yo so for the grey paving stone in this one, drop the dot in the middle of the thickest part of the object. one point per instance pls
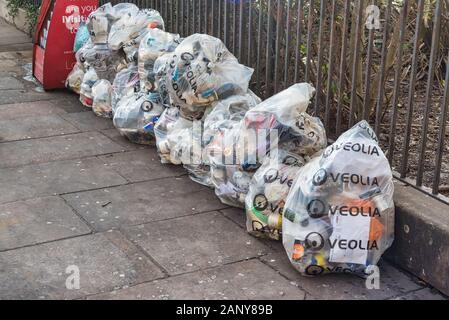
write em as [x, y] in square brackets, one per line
[88, 121]
[423, 294]
[115, 136]
[240, 280]
[39, 220]
[10, 83]
[55, 148]
[237, 215]
[105, 261]
[17, 96]
[70, 104]
[195, 242]
[342, 286]
[142, 202]
[55, 178]
[34, 127]
[22, 110]
[141, 165]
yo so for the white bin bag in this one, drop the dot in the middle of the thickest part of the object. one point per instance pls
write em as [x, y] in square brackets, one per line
[268, 191]
[339, 214]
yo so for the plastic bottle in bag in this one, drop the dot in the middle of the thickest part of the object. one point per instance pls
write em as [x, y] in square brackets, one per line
[268, 191]
[102, 92]
[339, 214]
[136, 116]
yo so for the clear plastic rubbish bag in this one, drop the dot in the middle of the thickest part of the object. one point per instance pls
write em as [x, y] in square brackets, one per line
[100, 22]
[231, 184]
[102, 92]
[283, 121]
[154, 44]
[104, 60]
[163, 126]
[268, 191]
[339, 214]
[80, 54]
[136, 116]
[202, 71]
[160, 69]
[81, 37]
[89, 79]
[132, 24]
[126, 83]
[224, 114]
[75, 78]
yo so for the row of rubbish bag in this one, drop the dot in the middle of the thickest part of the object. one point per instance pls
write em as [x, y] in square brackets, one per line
[332, 206]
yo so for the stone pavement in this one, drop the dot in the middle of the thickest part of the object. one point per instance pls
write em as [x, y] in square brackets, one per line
[73, 192]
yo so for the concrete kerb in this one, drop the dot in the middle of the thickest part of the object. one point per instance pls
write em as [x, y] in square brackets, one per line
[421, 236]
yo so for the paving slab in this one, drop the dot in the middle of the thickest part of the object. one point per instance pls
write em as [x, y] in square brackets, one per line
[13, 154]
[240, 280]
[34, 127]
[105, 262]
[115, 136]
[342, 286]
[55, 178]
[22, 110]
[141, 165]
[88, 121]
[142, 202]
[10, 83]
[195, 242]
[238, 215]
[422, 294]
[70, 104]
[30, 222]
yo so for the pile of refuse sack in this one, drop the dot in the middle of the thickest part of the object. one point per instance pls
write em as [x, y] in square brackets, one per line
[331, 206]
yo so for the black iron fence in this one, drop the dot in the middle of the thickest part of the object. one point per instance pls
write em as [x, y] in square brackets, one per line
[384, 61]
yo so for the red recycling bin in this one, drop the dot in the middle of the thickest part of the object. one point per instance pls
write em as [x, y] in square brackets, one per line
[53, 56]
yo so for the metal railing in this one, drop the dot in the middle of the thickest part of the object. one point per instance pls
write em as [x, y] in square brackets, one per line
[384, 61]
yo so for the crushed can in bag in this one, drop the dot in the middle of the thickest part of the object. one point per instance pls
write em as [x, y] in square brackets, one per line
[102, 98]
[268, 191]
[339, 214]
[136, 115]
